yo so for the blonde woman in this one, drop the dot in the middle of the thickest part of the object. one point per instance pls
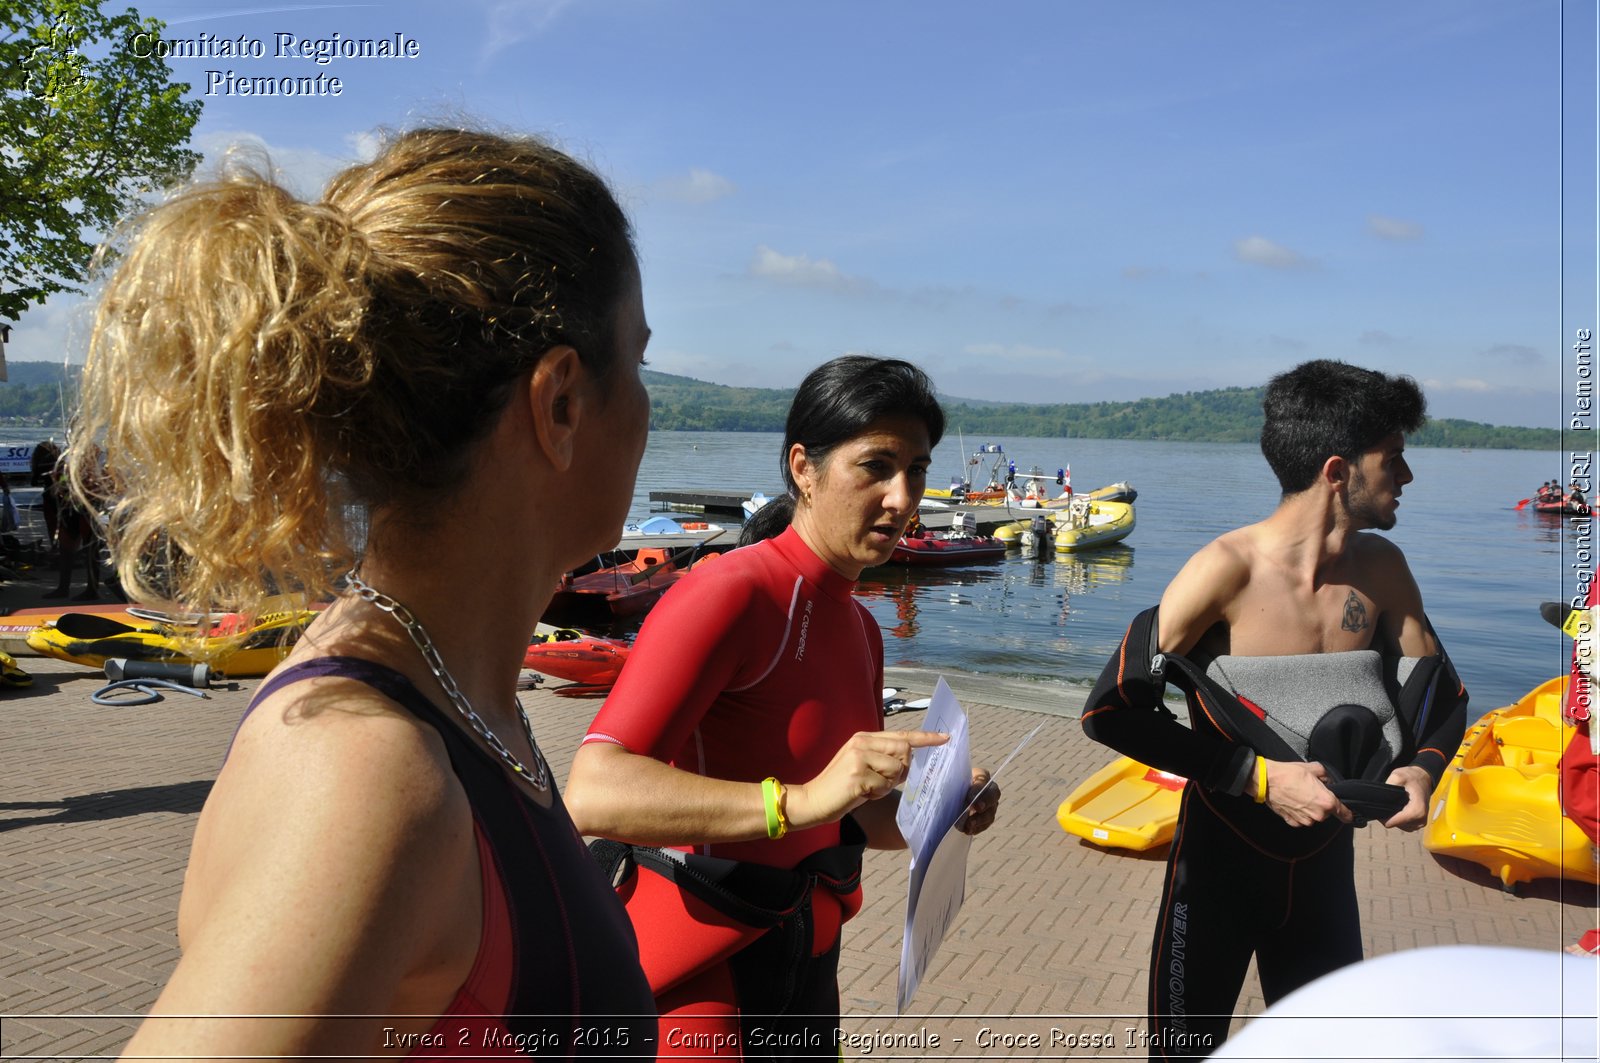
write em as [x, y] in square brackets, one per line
[451, 339]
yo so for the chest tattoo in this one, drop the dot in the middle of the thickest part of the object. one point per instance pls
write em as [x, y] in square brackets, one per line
[1355, 614]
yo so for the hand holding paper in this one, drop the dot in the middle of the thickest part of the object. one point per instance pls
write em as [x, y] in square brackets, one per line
[945, 802]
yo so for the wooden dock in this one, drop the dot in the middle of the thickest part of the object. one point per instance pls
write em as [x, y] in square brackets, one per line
[988, 518]
[703, 501]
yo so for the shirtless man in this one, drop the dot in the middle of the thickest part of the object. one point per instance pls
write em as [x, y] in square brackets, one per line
[1263, 860]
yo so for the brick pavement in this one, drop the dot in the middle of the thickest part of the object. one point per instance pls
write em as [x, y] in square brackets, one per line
[97, 806]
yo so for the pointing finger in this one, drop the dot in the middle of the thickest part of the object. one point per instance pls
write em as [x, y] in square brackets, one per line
[918, 739]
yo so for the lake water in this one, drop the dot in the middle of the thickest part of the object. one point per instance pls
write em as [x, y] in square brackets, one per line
[1483, 566]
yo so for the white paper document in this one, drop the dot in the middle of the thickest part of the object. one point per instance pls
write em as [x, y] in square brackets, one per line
[934, 799]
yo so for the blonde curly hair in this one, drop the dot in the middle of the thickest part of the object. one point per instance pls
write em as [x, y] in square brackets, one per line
[258, 364]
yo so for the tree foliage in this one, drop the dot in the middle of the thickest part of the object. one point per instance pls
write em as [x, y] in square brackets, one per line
[1225, 415]
[91, 124]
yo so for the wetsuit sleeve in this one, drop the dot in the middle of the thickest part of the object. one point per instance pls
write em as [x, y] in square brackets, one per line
[1443, 719]
[692, 647]
[1125, 712]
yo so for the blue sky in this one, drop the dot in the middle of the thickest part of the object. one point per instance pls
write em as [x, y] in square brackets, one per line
[1051, 201]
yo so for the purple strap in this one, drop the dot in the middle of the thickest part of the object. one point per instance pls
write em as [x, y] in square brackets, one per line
[380, 677]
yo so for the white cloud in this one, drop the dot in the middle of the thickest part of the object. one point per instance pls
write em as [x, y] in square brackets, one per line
[1393, 228]
[1019, 352]
[699, 186]
[364, 145]
[803, 271]
[56, 332]
[510, 22]
[304, 171]
[1512, 353]
[1459, 384]
[1263, 252]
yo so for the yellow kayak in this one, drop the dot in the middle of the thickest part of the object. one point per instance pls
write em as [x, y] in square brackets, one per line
[1497, 804]
[1124, 805]
[90, 640]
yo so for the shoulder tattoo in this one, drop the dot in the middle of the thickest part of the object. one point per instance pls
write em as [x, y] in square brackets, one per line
[1355, 614]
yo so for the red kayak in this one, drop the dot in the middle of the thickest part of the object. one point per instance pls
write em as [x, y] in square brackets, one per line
[623, 590]
[590, 661]
[935, 549]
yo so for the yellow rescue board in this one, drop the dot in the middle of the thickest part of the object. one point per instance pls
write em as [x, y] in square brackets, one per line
[1124, 805]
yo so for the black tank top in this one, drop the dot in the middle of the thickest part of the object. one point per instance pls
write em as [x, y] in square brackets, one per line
[577, 988]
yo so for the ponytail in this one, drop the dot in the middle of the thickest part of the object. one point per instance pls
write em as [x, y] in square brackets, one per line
[768, 521]
[260, 366]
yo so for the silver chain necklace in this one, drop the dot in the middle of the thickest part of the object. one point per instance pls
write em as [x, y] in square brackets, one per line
[539, 777]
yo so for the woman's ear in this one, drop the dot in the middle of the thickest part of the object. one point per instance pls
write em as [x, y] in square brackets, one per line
[800, 470]
[555, 398]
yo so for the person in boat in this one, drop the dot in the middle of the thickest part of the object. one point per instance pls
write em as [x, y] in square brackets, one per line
[745, 734]
[1575, 499]
[1299, 730]
[450, 339]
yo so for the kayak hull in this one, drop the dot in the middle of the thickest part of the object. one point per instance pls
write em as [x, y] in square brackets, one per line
[1498, 803]
[590, 661]
[91, 640]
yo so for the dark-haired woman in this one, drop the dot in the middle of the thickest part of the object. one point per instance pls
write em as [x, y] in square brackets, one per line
[451, 338]
[746, 734]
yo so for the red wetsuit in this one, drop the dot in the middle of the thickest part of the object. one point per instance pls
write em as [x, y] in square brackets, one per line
[557, 970]
[760, 665]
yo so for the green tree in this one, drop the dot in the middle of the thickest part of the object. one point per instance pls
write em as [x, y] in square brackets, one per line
[90, 122]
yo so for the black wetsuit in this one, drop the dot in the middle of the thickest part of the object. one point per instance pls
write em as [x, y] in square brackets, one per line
[1240, 881]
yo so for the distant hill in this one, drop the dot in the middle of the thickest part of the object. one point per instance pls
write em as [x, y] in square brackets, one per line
[33, 391]
[680, 403]
[1224, 415]
[33, 374]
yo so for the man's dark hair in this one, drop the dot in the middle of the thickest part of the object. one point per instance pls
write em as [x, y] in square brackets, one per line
[1323, 407]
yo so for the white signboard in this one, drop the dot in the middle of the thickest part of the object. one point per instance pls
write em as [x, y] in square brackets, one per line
[16, 459]
[935, 798]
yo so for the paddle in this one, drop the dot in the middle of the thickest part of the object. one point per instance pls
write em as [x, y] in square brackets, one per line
[1524, 502]
[644, 574]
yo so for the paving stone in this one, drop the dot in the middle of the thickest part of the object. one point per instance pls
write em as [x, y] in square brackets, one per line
[97, 810]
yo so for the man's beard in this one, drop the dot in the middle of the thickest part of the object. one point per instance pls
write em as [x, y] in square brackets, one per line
[1364, 511]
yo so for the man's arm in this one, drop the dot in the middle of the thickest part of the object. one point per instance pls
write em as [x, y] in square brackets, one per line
[1404, 629]
[1125, 709]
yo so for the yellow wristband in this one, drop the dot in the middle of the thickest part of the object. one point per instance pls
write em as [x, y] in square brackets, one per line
[772, 799]
[1261, 780]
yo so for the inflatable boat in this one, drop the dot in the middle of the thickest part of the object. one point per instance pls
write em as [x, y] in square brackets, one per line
[937, 548]
[1087, 524]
